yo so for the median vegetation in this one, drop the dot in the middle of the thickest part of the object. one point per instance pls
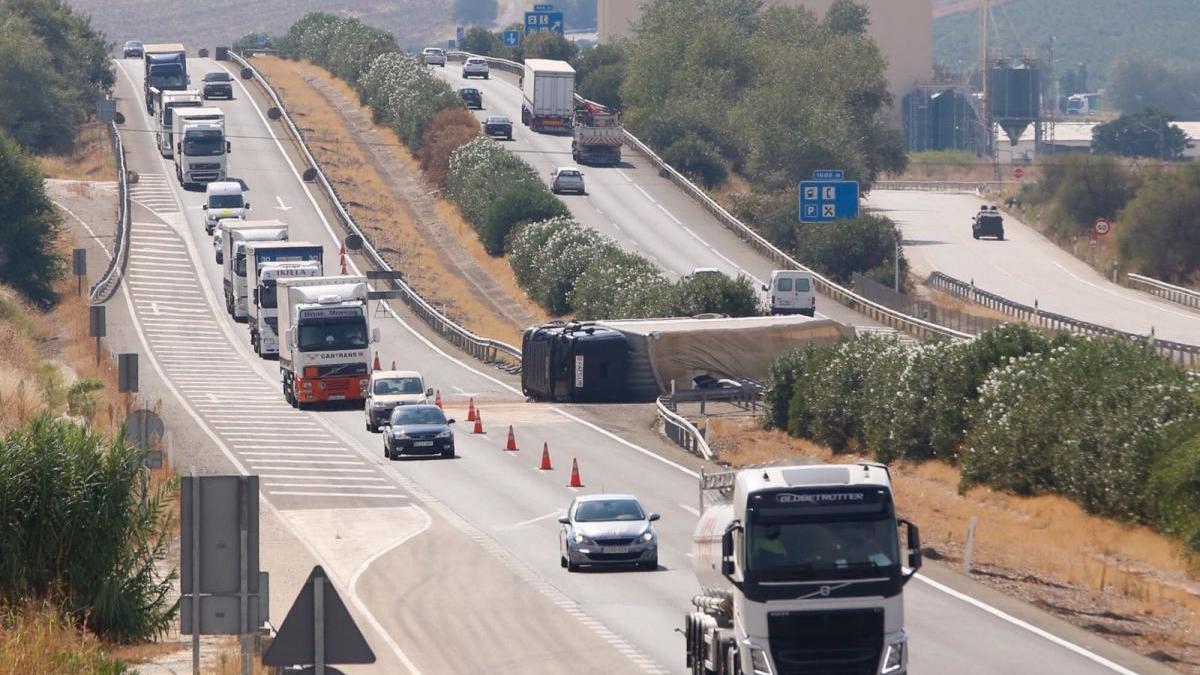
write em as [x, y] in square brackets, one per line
[1102, 421]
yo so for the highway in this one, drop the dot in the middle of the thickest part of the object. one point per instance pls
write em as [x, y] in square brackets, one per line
[642, 211]
[1025, 267]
[452, 566]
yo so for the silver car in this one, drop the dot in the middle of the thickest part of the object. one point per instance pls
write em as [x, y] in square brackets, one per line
[434, 56]
[607, 530]
[567, 179]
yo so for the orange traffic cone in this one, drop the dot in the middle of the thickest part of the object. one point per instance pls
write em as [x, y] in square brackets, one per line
[545, 465]
[437, 400]
[471, 410]
[478, 422]
[375, 364]
[575, 480]
[512, 440]
[343, 265]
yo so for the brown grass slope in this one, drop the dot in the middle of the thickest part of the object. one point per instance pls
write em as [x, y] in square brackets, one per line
[213, 22]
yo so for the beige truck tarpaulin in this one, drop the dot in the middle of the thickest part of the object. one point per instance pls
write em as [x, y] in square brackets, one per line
[680, 349]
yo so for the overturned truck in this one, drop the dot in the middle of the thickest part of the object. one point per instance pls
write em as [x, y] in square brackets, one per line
[636, 361]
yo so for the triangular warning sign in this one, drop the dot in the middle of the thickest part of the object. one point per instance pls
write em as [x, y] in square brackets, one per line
[293, 644]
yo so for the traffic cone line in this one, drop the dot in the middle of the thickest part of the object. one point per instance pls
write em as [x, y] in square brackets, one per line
[478, 422]
[545, 465]
[375, 364]
[575, 480]
[471, 410]
[512, 440]
[437, 399]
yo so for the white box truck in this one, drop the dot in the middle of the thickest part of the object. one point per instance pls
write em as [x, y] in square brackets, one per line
[165, 103]
[324, 339]
[801, 571]
[201, 151]
[547, 94]
[266, 263]
[235, 235]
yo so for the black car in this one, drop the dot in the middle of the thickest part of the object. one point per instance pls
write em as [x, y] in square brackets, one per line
[498, 125]
[217, 85]
[472, 97]
[988, 223]
[418, 430]
[133, 49]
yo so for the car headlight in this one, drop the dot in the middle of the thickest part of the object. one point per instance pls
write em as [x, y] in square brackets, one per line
[759, 661]
[445, 433]
[399, 433]
[580, 539]
[893, 659]
[648, 535]
[380, 405]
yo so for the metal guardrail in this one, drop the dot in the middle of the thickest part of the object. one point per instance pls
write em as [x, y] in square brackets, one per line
[482, 348]
[936, 185]
[874, 311]
[681, 431]
[110, 280]
[1177, 352]
[1170, 292]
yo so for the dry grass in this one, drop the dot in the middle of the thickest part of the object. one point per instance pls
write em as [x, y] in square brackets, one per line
[1049, 538]
[388, 220]
[230, 663]
[35, 638]
[92, 158]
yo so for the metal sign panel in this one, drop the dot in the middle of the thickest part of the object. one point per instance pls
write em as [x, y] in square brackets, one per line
[219, 615]
[219, 535]
[143, 428]
[823, 201]
[96, 323]
[127, 373]
[460, 33]
[295, 642]
[512, 38]
[829, 174]
[79, 262]
[543, 8]
[106, 110]
[536, 22]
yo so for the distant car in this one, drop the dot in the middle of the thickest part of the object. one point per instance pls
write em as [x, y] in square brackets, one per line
[607, 529]
[434, 56]
[476, 67]
[391, 388]
[217, 85]
[418, 430]
[792, 292]
[133, 49]
[567, 179]
[498, 125]
[472, 97]
[988, 223]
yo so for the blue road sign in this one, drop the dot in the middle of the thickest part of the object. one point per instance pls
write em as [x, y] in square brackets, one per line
[822, 201]
[543, 8]
[450, 44]
[460, 33]
[536, 22]
[512, 38]
[828, 174]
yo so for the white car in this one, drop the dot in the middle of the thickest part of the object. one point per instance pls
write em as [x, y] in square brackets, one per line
[223, 199]
[567, 179]
[607, 530]
[389, 389]
[792, 292]
[476, 67]
[434, 56]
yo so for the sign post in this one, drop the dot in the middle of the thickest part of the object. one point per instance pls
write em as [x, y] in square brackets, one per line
[828, 197]
[96, 326]
[79, 268]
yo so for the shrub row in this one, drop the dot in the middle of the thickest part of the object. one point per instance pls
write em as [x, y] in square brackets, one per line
[1102, 421]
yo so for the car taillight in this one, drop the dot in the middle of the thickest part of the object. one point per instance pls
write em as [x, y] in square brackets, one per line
[813, 301]
[310, 371]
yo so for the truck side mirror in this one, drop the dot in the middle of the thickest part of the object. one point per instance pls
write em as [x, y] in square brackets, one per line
[766, 287]
[255, 296]
[246, 206]
[374, 335]
[564, 520]
[228, 146]
[914, 548]
[429, 391]
[204, 207]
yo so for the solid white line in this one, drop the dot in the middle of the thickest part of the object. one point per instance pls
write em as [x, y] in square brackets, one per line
[338, 494]
[297, 454]
[1065, 644]
[626, 443]
[330, 462]
[356, 479]
[1110, 291]
[296, 468]
[531, 521]
[328, 485]
[690, 509]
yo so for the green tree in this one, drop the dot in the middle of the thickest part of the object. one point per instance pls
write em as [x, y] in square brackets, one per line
[29, 228]
[1159, 230]
[1145, 134]
[480, 41]
[548, 45]
[1137, 81]
[846, 17]
[697, 158]
[1084, 188]
[865, 244]
[599, 72]
[475, 11]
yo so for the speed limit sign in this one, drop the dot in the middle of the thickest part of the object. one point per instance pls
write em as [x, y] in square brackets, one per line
[1102, 226]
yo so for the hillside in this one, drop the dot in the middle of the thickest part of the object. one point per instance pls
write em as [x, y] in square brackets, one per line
[1086, 31]
[222, 21]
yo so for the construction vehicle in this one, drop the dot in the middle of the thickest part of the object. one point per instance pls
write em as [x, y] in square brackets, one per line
[324, 339]
[266, 263]
[801, 571]
[597, 135]
[235, 235]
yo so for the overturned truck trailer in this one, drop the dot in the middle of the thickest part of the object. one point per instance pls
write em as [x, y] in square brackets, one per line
[638, 360]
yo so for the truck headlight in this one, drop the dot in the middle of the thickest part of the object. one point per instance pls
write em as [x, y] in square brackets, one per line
[893, 658]
[759, 661]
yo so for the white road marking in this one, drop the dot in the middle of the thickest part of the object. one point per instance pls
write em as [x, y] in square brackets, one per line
[343, 479]
[531, 521]
[338, 494]
[327, 485]
[690, 509]
[1122, 295]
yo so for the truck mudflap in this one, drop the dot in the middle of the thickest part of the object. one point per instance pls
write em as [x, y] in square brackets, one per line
[318, 389]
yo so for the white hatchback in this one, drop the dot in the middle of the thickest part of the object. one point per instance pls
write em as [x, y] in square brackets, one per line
[434, 56]
[476, 67]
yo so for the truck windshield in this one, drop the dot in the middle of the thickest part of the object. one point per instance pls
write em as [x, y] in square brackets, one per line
[865, 548]
[203, 143]
[266, 294]
[325, 334]
[168, 76]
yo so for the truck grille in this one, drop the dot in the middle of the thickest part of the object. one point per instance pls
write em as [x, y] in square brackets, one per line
[847, 642]
[342, 370]
[204, 167]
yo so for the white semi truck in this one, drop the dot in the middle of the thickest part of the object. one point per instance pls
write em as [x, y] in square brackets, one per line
[201, 150]
[266, 263]
[235, 235]
[165, 103]
[801, 571]
[547, 94]
[324, 339]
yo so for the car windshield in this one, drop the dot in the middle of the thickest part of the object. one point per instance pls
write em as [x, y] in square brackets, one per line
[601, 510]
[217, 77]
[406, 415]
[225, 202]
[816, 546]
[324, 334]
[204, 143]
[398, 385]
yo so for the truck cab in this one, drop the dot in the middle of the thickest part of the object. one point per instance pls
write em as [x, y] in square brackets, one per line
[165, 104]
[791, 292]
[267, 263]
[165, 70]
[235, 237]
[801, 567]
[201, 151]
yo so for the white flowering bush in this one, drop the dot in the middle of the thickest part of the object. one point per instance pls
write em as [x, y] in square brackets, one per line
[344, 45]
[620, 285]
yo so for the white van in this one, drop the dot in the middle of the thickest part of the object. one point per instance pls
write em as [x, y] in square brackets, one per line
[792, 292]
[223, 199]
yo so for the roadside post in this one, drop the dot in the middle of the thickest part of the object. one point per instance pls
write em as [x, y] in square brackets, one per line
[96, 326]
[79, 268]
